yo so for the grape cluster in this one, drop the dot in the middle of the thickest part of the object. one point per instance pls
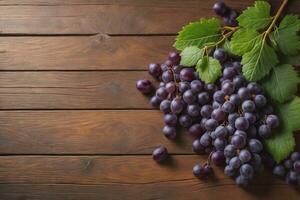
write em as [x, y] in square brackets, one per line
[228, 119]
[228, 14]
[289, 169]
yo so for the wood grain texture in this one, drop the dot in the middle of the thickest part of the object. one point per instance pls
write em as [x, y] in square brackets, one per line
[98, 52]
[126, 177]
[86, 132]
[133, 17]
[72, 90]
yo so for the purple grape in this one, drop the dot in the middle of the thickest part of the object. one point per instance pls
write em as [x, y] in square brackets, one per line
[291, 178]
[205, 140]
[238, 141]
[229, 171]
[170, 119]
[232, 117]
[155, 70]
[260, 100]
[220, 9]
[220, 55]
[218, 158]
[241, 181]
[196, 130]
[255, 146]
[155, 101]
[193, 110]
[144, 86]
[244, 93]
[239, 81]
[237, 66]
[165, 106]
[235, 162]
[219, 144]
[187, 74]
[272, 121]
[250, 117]
[288, 164]
[218, 114]
[241, 123]
[219, 96]
[197, 147]
[211, 124]
[228, 107]
[160, 154]
[198, 171]
[221, 132]
[185, 121]
[245, 156]
[229, 73]
[247, 171]
[229, 151]
[189, 97]
[170, 87]
[210, 88]
[183, 86]
[177, 69]
[174, 57]
[228, 88]
[297, 166]
[248, 106]
[167, 76]
[254, 88]
[235, 99]
[295, 156]
[176, 106]
[206, 111]
[162, 93]
[264, 131]
[169, 132]
[197, 86]
[241, 133]
[203, 98]
[279, 171]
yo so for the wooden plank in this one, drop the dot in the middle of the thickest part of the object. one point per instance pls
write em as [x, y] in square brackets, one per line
[86, 132]
[113, 18]
[82, 53]
[72, 90]
[126, 177]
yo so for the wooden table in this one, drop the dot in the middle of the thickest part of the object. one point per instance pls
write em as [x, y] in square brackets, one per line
[73, 126]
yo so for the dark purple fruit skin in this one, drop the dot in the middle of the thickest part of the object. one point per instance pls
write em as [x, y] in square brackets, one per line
[155, 70]
[160, 154]
[144, 86]
[220, 9]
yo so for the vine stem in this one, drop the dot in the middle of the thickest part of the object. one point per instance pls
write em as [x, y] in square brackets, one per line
[283, 4]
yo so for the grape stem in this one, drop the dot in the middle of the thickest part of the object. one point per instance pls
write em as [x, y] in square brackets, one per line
[175, 82]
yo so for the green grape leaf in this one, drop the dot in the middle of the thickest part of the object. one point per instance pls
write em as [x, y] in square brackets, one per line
[209, 69]
[286, 36]
[226, 46]
[281, 84]
[256, 17]
[190, 56]
[292, 60]
[258, 62]
[282, 143]
[198, 34]
[293, 114]
[244, 40]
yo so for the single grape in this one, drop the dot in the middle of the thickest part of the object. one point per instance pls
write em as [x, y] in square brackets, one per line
[228, 88]
[288, 164]
[232, 117]
[183, 86]
[189, 97]
[256, 160]
[245, 156]
[187, 74]
[230, 20]
[155, 101]
[185, 121]
[160, 154]
[165, 106]
[279, 170]
[260, 100]
[161, 93]
[198, 171]
[197, 86]
[170, 87]
[174, 57]
[220, 9]
[264, 131]
[230, 129]
[211, 124]
[235, 99]
[254, 88]
[205, 140]
[241, 123]
[235, 162]
[207, 169]
[229, 73]
[176, 106]
[239, 81]
[168, 63]
[155, 70]
[241, 133]
[244, 93]
[248, 106]
[250, 117]
[295, 156]
[291, 177]
[170, 119]
[210, 88]
[197, 147]
[297, 166]
[193, 110]
[228, 107]
[218, 115]
[167, 76]
[218, 158]
[203, 98]
[221, 132]
[220, 55]
[196, 130]
[241, 181]
[272, 121]
[219, 96]
[229, 151]
[255, 146]
[206, 111]
[177, 69]
[237, 66]
[219, 144]
[144, 86]
[238, 141]
[247, 171]
[229, 171]
[169, 132]
[216, 105]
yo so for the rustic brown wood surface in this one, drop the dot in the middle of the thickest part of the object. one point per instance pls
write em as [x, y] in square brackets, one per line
[73, 126]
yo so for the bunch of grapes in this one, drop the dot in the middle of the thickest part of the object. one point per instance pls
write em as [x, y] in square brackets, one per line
[227, 119]
[289, 169]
